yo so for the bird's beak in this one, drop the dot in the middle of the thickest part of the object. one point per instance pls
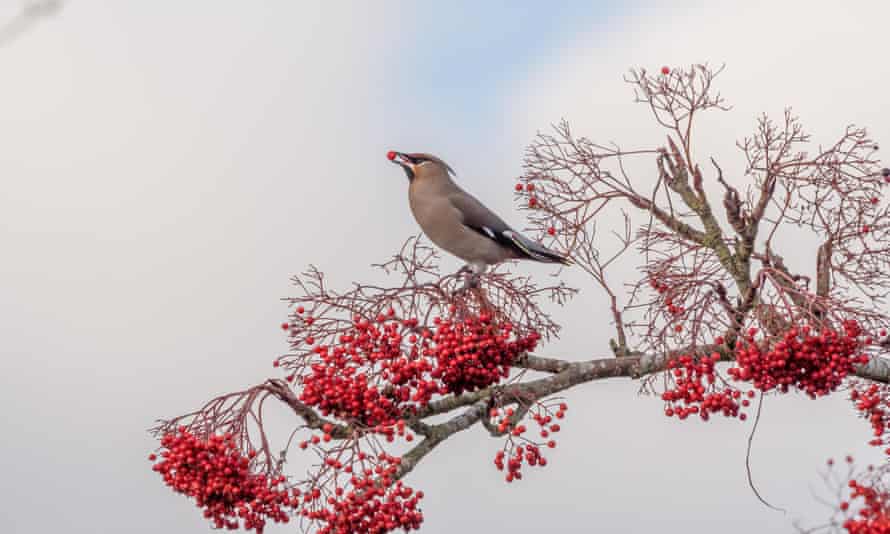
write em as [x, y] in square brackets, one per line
[403, 161]
[399, 158]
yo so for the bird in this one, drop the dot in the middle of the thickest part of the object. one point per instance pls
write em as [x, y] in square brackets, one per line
[458, 223]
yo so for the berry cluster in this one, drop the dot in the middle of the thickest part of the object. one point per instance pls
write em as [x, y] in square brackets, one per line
[513, 455]
[674, 310]
[379, 371]
[530, 189]
[872, 402]
[218, 477]
[533, 201]
[365, 377]
[373, 504]
[475, 353]
[529, 453]
[694, 390]
[660, 287]
[874, 516]
[814, 364]
[663, 289]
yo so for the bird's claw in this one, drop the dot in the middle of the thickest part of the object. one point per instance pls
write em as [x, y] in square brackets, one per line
[471, 281]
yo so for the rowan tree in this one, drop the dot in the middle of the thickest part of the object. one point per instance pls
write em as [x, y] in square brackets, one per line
[713, 318]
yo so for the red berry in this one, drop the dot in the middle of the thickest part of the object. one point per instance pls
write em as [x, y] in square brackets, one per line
[391, 155]
[665, 70]
[551, 230]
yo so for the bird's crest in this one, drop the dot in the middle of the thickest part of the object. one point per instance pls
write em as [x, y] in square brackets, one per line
[422, 156]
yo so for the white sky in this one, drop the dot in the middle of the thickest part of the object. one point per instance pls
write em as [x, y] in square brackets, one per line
[167, 166]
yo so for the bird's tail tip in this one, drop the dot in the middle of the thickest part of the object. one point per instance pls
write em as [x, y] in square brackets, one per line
[551, 256]
[536, 251]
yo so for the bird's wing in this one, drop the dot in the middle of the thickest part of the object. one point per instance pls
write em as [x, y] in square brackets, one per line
[476, 216]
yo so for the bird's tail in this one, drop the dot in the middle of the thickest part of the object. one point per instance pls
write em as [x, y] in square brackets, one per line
[536, 251]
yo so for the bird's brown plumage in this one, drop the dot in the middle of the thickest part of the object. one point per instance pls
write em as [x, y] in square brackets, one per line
[459, 223]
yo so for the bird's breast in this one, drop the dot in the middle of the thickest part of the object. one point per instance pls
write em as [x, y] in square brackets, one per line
[432, 212]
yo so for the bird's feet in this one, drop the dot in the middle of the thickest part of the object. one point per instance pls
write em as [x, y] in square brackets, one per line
[465, 269]
[471, 280]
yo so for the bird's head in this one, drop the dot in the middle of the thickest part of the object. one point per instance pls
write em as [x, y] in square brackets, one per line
[418, 165]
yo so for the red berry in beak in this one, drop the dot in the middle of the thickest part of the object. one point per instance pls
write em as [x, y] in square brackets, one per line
[391, 155]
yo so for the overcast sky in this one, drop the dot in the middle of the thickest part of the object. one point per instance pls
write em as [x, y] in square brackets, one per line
[167, 166]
